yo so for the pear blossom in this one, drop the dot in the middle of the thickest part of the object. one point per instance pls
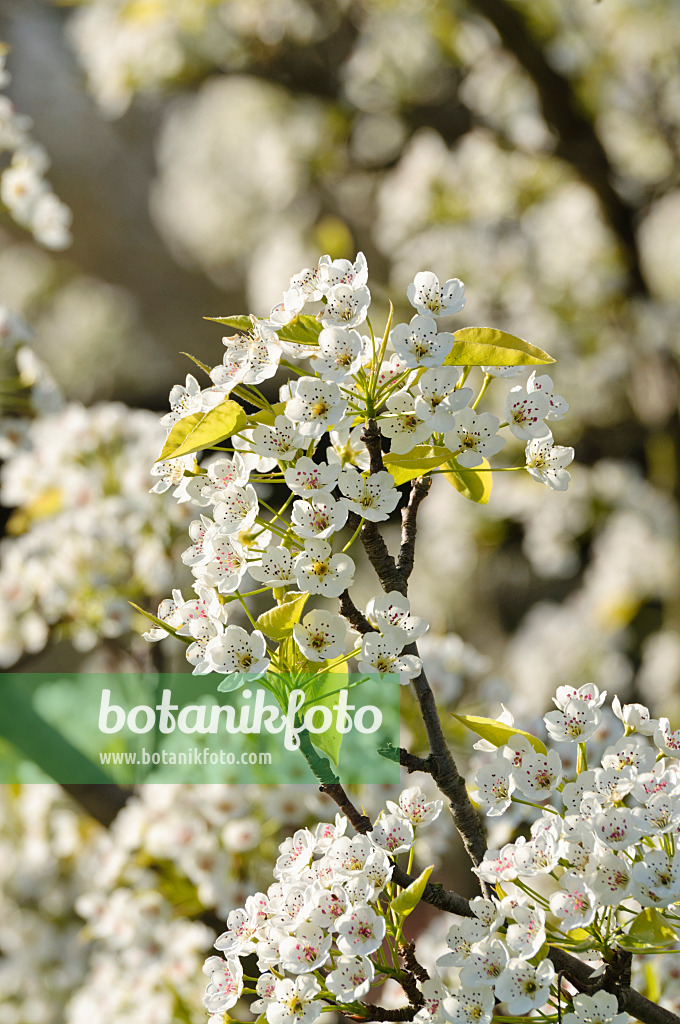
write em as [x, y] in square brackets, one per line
[225, 562]
[485, 963]
[630, 752]
[187, 398]
[360, 931]
[460, 939]
[428, 296]
[546, 462]
[330, 273]
[346, 306]
[276, 568]
[225, 984]
[635, 717]
[340, 354]
[382, 654]
[322, 635]
[559, 407]
[237, 651]
[208, 488]
[524, 987]
[393, 833]
[312, 479]
[437, 398]
[315, 406]
[415, 807]
[402, 424]
[171, 473]
[470, 1005]
[667, 739]
[610, 878]
[237, 508]
[575, 903]
[575, 723]
[347, 448]
[526, 412]
[539, 774]
[493, 785]
[527, 933]
[656, 879]
[306, 950]
[600, 1008]
[351, 979]
[372, 497]
[419, 343]
[280, 441]
[168, 611]
[294, 1002]
[474, 437]
[319, 517]
[319, 571]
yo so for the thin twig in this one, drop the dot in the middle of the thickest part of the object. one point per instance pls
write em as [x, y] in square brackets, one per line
[420, 488]
[353, 615]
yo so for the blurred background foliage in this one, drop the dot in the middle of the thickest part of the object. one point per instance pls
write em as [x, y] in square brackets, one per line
[209, 149]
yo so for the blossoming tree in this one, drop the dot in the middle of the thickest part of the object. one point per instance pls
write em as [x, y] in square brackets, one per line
[562, 911]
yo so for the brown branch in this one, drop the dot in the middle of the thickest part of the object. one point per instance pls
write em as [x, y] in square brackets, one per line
[445, 773]
[374, 545]
[353, 615]
[407, 952]
[413, 763]
[360, 822]
[577, 140]
[420, 488]
[380, 1013]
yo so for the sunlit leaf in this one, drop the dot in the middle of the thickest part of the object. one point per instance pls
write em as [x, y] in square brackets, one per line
[202, 430]
[408, 898]
[487, 346]
[278, 622]
[649, 930]
[497, 732]
[241, 322]
[417, 462]
[471, 483]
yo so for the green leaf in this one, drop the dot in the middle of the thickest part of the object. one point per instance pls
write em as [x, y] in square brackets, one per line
[649, 929]
[417, 462]
[203, 429]
[278, 622]
[486, 346]
[324, 691]
[408, 898]
[497, 732]
[471, 483]
[302, 330]
[241, 322]
[203, 366]
[267, 416]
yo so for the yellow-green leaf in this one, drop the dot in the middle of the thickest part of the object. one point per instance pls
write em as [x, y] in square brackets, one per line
[649, 930]
[324, 691]
[278, 622]
[267, 416]
[242, 322]
[498, 733]
[418, 461]
[486, 346]
[302, 330]
[408, 898]
[203, 430]
[473, 484]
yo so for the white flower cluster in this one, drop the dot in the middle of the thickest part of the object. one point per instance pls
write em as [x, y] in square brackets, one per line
[24, 190]
[85, 535]
[320, 921]
[404, 382]
[601, 854]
